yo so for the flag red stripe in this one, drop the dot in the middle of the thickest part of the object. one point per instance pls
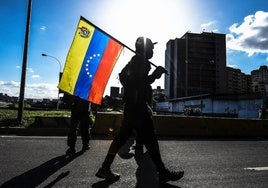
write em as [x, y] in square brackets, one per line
[104, 71]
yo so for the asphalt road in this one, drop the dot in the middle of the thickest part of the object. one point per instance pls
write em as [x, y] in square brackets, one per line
[40, 162]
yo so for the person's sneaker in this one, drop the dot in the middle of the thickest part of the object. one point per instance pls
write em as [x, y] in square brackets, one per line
[107, 174]
[85, 148]
[167, 175]
[70, 151]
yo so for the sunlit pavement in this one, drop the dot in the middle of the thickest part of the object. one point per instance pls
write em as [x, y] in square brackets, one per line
[41, 162]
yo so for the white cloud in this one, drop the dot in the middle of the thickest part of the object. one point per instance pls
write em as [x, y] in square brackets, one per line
[43, 27]
[215, 30]
[35, 76]
[209, 27]
[10, 88]
[35, 91]
[17, 67]
[232, 66]
[30, 70]
[250, 36]
[10, 83]
[41, 90]
[206, 25]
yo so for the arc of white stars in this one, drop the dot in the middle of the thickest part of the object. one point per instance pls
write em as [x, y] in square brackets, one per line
[88, 62]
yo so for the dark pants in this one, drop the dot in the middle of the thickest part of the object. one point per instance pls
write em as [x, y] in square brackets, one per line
[138, 118]
[82, 119]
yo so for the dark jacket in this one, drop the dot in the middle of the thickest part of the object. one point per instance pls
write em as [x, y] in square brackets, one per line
[136, 81]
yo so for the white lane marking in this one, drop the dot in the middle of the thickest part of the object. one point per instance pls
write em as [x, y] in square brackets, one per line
[257, 168]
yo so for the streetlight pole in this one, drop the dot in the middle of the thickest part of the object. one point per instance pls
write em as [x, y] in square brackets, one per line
[46, 55]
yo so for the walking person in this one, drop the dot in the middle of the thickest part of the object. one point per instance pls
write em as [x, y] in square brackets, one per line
[262, 112]
[80, 116]
[137, 113]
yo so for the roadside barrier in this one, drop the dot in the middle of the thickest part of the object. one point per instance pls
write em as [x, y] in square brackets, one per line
[170, 125]
[165, 125]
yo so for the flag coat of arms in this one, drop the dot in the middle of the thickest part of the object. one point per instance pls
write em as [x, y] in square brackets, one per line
[89, 62]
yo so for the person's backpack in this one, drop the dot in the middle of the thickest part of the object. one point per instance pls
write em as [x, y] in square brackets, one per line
[127, 79]
[124, 75]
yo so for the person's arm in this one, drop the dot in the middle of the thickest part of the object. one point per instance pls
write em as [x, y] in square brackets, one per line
[156, 74]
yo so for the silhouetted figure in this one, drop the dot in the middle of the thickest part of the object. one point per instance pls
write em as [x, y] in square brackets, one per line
[262, 112]
[80, 116]
[137, 113]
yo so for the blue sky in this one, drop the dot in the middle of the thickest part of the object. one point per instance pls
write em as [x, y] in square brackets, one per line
[53, 23]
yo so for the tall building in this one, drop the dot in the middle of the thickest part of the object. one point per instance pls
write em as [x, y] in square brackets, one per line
[237, 81]
[259, 79]
[196, 65]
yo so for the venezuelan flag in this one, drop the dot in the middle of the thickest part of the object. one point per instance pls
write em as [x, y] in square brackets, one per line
[89, 62]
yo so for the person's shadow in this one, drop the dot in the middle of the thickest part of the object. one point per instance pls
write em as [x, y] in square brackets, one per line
[103, 183]
[39, 174]
[146, 173]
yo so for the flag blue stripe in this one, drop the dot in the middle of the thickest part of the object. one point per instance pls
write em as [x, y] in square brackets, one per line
[90, 64]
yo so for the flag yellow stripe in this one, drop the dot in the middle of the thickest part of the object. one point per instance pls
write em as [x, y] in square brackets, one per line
[75, 58]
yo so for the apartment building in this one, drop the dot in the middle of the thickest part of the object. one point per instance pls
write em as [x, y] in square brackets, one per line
[197, 65]
[237, 81]
[259, 80]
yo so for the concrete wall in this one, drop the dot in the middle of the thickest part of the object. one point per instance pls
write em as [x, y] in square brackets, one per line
[249, 108]
[107, 123]
[243, 108]
[199, 126]
[165, 125]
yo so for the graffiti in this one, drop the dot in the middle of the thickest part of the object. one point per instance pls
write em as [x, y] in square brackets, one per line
[230, 111]
[192, 111]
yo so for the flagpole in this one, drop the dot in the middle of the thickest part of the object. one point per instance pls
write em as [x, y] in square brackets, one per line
[24, 65]
[107, 34]
[81, 17]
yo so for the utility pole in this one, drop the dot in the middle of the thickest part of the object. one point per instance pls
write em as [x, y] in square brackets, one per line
[24, 64]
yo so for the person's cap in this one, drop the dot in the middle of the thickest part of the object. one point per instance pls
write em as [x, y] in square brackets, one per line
[144, 43]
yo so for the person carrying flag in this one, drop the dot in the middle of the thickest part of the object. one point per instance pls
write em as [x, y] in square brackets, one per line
[137, 82]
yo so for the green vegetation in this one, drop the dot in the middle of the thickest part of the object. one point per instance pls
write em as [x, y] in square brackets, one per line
[8, 117]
